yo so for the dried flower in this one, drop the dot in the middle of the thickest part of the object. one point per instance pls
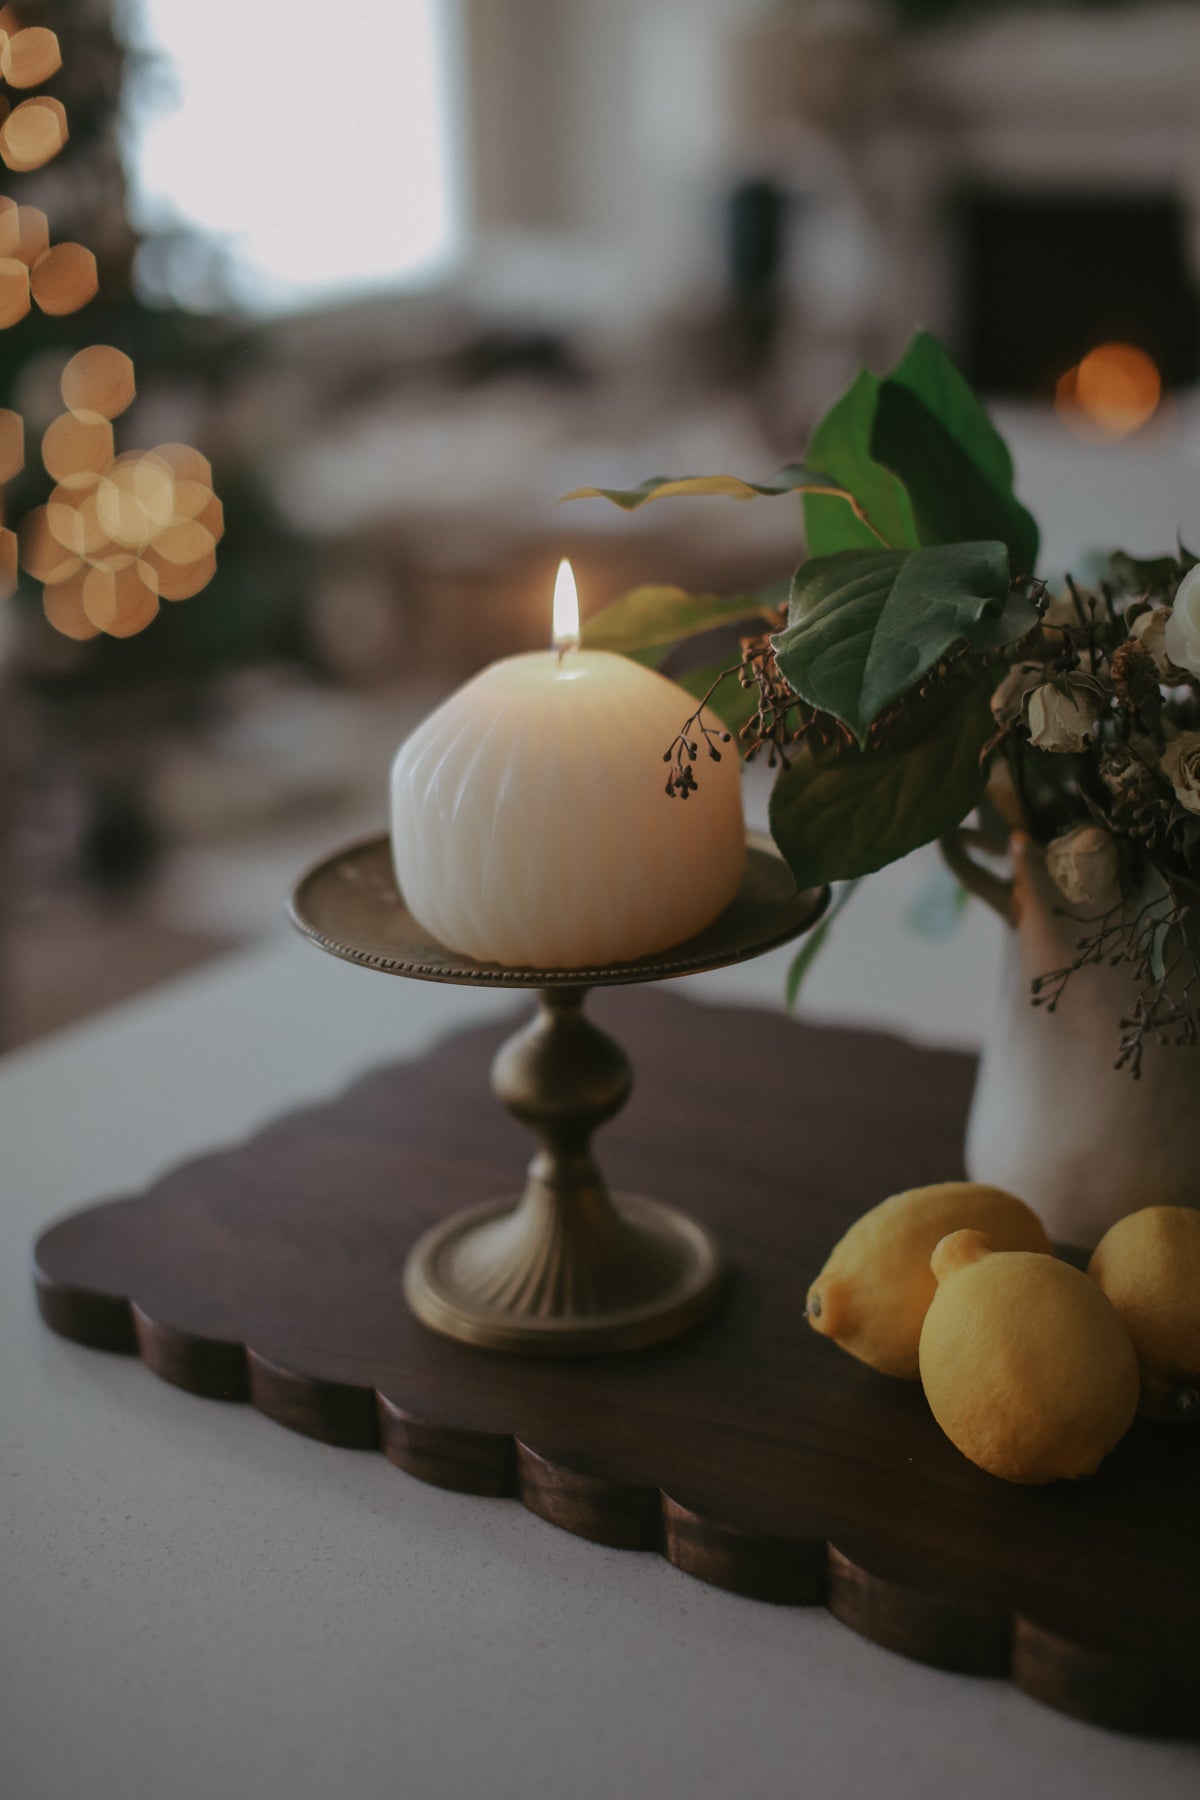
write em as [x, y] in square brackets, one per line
[1150, 632]
[1181, 635]
[1134, 788]
[1084, 867]
[1181, 766]
[1058, 720]
[1009, 698]
[1134, 676]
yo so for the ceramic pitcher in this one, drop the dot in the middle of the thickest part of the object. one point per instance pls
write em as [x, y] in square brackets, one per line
[1052, 1120]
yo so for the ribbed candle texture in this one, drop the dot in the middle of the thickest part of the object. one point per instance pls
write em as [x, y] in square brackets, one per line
[530, 822]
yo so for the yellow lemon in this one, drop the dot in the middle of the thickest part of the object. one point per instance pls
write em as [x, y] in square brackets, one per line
[1149, 1266]
[1026, 1366]
[873, 1293]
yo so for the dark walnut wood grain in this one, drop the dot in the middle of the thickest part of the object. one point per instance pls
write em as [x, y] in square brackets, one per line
[752, 1454]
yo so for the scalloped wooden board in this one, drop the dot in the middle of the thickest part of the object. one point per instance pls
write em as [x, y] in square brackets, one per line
[752, 1454]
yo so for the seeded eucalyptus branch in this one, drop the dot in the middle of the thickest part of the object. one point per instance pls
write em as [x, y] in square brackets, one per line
[685, 748]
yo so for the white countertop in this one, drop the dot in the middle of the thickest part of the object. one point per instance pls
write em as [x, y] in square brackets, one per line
[197, 1604]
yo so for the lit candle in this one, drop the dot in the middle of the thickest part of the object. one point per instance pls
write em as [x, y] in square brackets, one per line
[530, 820]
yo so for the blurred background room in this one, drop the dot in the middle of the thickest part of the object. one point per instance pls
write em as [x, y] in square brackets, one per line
[407, 271]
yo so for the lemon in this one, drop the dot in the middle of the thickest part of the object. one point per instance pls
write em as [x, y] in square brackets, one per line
[1149, 1266]
[873, 1293]
[1026, 1366]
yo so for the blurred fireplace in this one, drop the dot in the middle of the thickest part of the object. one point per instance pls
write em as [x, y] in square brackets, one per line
[1025, 181]
[1045, 277]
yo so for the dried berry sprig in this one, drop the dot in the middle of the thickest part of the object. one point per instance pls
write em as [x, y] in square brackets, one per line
[1159, 1016]
[685, 748]
[780, 719]
[1165, 1008]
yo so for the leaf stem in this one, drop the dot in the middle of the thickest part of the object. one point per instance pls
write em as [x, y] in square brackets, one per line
[855, 505]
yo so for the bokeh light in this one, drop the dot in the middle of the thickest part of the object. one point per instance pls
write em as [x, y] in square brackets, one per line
[63, 607]
[14, 291]
[12, 444]
[121, 601]
[33, 134]
[29, 56]
[119, 533]
[75, 450]
[99, 379]
[1110, 393]
[64, 278]
[24, 231]
[116, 531]
[8, 561]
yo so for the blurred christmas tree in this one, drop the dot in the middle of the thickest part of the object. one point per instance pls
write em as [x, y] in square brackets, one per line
[191, 367]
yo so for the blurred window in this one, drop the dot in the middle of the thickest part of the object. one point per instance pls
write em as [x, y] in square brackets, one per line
[315, 141]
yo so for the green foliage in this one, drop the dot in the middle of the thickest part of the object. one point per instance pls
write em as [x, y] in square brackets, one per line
[922, 457]
[840, 450]
[1015, 619]
[1150, 574]
[650, 616]
[836, 815]
[865, 625]
[791, 480]
[952, 497]
[813, 945]
[928, 373]
[914, 535]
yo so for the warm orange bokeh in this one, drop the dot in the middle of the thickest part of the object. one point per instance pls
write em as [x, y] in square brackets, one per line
[1111, 392]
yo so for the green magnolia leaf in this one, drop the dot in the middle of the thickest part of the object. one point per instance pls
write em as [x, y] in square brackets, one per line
[840, 450]
[921, 455]
[926, 371]
[648, 616]
[952, 496]
[1016, 618]
[839, 815]
[791, 480]
[865, 625]
[1150, 574]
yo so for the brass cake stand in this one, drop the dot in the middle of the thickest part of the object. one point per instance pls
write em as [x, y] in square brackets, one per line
[564, 1268]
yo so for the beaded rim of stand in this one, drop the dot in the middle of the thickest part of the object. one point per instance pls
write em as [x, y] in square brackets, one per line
[766, 911]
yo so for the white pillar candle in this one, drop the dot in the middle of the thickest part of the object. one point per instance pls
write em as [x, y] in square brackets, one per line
[530, 820]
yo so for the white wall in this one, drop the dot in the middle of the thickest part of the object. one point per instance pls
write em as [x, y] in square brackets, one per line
[606, 118]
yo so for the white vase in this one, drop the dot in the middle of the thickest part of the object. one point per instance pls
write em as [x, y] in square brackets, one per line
[1051, 1119]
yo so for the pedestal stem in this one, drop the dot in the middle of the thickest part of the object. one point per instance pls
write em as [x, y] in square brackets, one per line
[568, 1267]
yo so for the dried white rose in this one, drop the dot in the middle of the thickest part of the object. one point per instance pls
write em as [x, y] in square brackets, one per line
[1181, 766]
[1084, 867]
[1150, 632]
[1181, 636]
[1059, 721]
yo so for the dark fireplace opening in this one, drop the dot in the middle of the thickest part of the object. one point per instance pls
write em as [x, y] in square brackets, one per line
[1046, 278]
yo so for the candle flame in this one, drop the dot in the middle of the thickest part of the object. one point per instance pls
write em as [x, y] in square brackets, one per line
[566, 608]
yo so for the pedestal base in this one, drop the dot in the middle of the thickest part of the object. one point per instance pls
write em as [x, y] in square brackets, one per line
[492, 1277]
